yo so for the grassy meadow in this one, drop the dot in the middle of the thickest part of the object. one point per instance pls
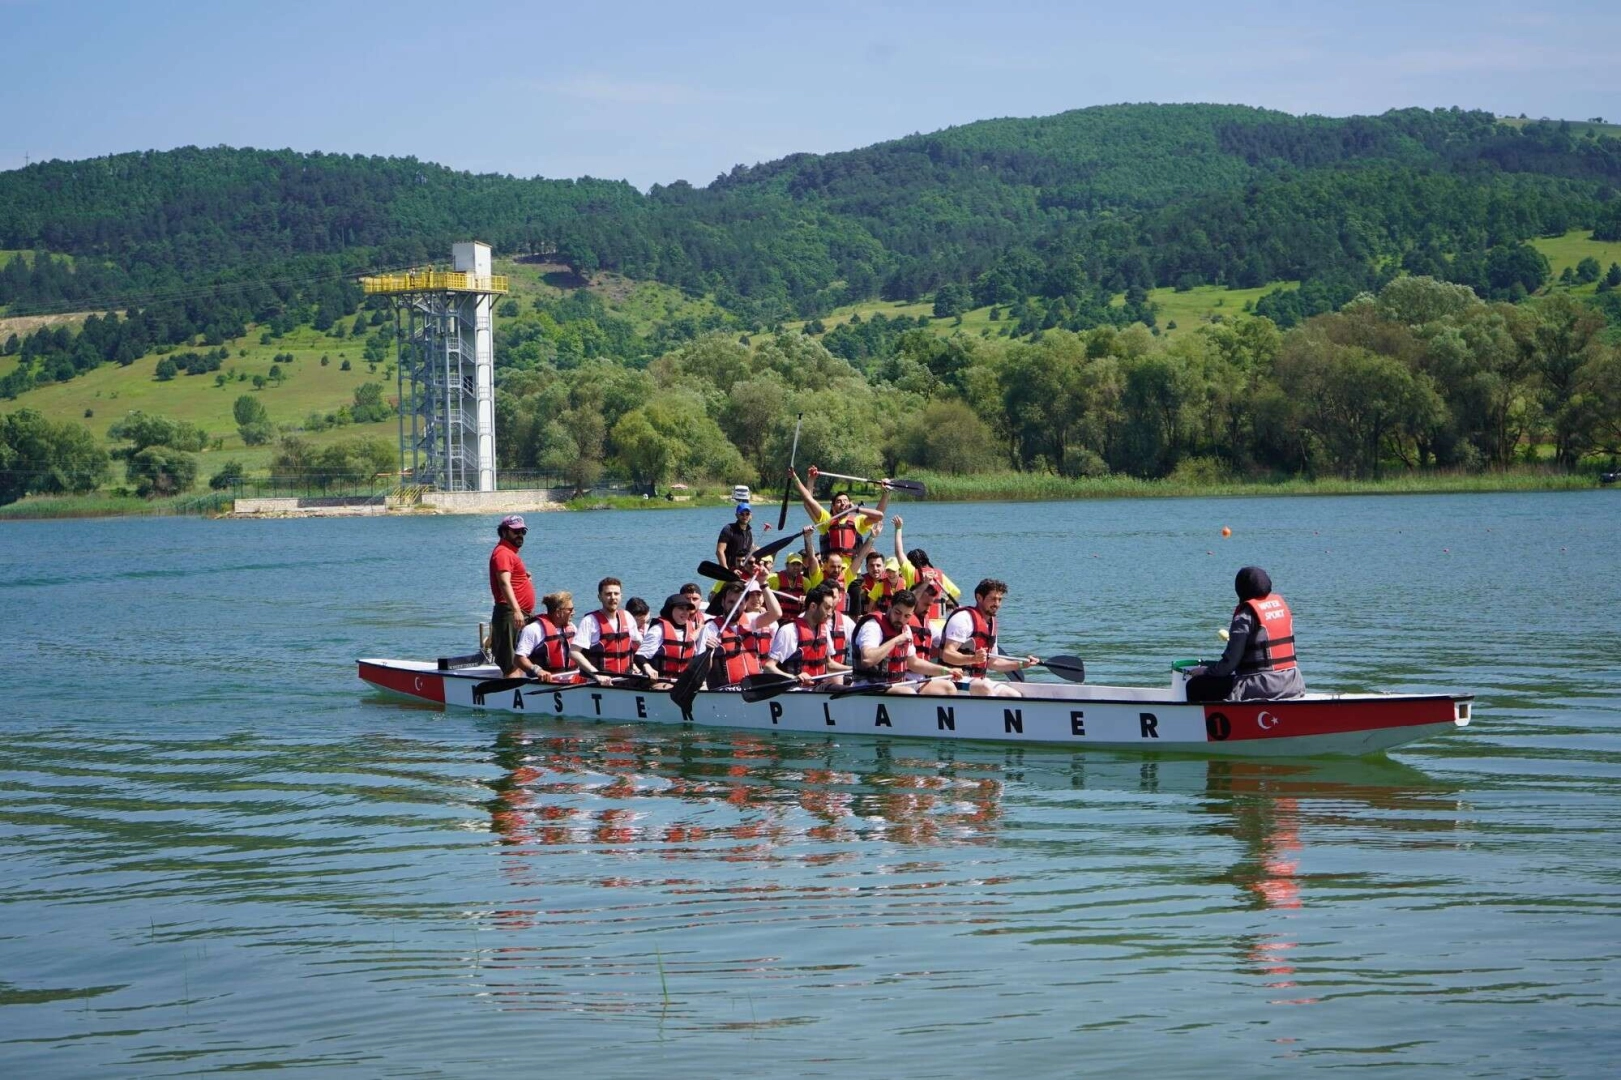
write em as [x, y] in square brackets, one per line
[1572, 248]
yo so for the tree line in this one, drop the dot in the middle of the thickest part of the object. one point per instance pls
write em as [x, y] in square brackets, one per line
[1102, 199]
[1422, 374]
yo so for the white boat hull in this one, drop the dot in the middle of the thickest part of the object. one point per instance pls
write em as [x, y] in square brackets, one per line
[1065, 714]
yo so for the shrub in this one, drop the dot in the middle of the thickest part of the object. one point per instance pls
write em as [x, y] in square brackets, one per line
[161, 470]
[167, 369]
[229, 475]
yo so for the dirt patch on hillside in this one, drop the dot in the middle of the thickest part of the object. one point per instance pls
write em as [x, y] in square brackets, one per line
[23, 325]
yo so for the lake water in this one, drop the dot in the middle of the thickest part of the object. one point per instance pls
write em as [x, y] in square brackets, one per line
[220, 851]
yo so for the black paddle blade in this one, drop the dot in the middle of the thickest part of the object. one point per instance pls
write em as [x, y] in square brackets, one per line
[1015, 675]
[859, 688]
[914, 488]
[764, 686]
[1071, 668]
[685, 690]
[775, 546]
[497, 686]
[716, 570]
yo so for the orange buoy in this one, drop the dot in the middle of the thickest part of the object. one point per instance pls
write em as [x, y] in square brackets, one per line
[1225, 531]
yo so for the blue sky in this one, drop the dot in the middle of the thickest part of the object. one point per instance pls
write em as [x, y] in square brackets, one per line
[654, 92]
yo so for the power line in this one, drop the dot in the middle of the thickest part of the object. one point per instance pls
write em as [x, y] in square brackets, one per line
[191, 292]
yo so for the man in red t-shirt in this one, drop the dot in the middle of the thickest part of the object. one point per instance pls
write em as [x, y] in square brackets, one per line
[513, 588]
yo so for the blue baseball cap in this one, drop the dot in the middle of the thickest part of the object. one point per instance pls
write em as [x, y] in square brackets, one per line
[744, 508]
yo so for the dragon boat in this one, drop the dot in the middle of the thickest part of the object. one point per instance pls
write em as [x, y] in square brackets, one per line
[1081, 716]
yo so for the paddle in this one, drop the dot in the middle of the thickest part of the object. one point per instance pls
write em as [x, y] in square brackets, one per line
[775, 546]
[914, 488]
[685, 690]
[715, 570]
[1068, 668]
[879, 687]
[496, 686]
[788, 488]
[764, 686]
[711, 569]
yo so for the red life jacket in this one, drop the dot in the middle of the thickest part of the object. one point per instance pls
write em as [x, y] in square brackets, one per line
[842, 537]
[613, 649]
[983, 637]
[922, 639]
[1275, 652]
[553, 653]
[791, 597]
[893, 667]
[675, 651]
[757, 640]
[738, 660]
[938, 580]
[811, 656]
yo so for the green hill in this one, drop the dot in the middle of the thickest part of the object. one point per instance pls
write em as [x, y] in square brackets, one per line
[932, 268]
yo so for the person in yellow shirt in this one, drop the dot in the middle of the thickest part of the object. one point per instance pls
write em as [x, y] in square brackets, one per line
[845, 524]
[915, 568]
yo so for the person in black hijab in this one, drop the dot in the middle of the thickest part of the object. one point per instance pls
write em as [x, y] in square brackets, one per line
[1259, 664]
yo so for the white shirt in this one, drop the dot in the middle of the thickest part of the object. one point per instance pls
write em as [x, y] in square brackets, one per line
[590, 635]
[874, 632]
[786, 641]
[654, 638]
[533, 635]
[959, 628]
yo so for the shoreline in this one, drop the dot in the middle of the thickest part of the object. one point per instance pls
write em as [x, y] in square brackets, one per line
[1012, 487]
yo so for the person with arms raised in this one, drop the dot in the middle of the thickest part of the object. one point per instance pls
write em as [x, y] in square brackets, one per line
[917, 570]
[843, 526]
[608, 637]
[886, 652]
[1259, 664]
[969, 642]
[514, 592]
[545, 649]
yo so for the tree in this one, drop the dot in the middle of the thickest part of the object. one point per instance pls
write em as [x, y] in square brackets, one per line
[142, 429]
[948, 437]
[1613, 277]
[161, 470]
[248, 409]
[41, 456]
[369, 406]
[167, 369]
[1588, 270]
[952, 298]
[644, 453]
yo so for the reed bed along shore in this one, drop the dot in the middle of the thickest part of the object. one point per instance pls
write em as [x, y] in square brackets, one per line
[982, 487]
[996, 487]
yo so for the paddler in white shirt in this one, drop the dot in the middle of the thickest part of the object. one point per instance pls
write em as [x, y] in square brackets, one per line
[969, 642]
[886, 652]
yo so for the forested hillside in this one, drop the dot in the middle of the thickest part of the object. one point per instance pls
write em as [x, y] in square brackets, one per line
[1049, 236]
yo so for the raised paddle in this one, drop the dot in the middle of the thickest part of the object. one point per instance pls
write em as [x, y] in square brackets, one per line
[788, 488]
[913, 488]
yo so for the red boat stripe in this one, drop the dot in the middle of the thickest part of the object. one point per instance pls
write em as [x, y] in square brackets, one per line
[1230, 721]
[417, 684]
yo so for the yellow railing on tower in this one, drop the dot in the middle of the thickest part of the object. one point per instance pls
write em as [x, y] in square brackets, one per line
[434, 281]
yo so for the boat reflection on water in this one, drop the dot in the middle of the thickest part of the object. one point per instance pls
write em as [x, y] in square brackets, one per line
[607, 834]
[1265, 807]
